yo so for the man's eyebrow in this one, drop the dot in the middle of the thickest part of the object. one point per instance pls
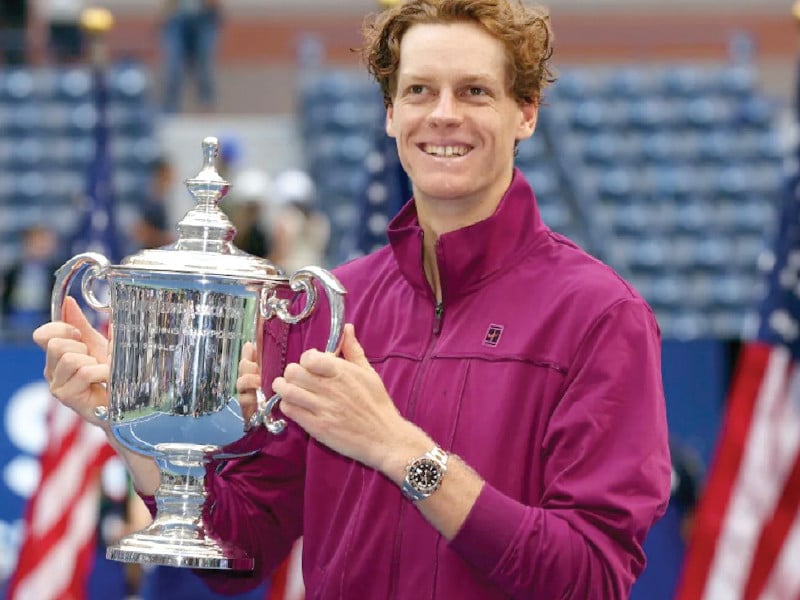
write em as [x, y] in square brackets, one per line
[464, 78]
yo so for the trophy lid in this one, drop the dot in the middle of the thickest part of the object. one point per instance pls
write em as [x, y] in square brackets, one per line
[205, 234]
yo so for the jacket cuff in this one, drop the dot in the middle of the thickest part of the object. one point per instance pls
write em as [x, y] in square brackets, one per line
[489, 529]
[150, 503]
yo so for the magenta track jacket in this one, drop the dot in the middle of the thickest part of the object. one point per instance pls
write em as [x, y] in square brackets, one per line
[542, 371]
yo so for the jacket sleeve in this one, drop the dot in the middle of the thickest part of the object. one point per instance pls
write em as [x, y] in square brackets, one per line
[256, 503]
[606, 472]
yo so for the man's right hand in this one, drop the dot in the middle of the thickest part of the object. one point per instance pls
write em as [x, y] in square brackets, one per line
[77, 365]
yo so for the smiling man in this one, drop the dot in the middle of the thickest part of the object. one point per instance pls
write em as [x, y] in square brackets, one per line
[495, 424]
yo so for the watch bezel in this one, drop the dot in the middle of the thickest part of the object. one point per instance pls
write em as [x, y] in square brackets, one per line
[414, 477]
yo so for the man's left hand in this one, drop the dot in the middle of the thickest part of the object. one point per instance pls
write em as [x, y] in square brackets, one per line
[341, 402]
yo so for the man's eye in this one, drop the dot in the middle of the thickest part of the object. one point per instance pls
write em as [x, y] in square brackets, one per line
[416, 89]
[476, 91]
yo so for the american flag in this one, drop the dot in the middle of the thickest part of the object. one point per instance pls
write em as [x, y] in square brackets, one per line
[745, 542]
[57, 551]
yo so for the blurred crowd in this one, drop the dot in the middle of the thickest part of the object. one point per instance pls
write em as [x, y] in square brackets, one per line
[276, 214]
[57, 29]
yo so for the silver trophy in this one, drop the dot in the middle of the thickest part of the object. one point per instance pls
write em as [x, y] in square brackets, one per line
[179, 316]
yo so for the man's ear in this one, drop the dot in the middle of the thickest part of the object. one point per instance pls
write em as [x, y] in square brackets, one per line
[390, 121]
[527, 124]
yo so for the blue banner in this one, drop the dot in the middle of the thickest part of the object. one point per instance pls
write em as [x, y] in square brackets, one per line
[24, 398]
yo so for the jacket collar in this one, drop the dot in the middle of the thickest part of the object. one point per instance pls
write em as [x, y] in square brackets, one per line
[470, 255]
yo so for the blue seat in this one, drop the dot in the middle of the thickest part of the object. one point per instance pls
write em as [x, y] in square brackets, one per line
[23, 119]
[615, 183]
[737, 80]
[556, 214]
[685, 81]
[129, 83]
[17, 85]
[543, 180]
[576, 84]
[708, 111]
[755, 111]
[71, 84]
[630, 83]
[531, 151]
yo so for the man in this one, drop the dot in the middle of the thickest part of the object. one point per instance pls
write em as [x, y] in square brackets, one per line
[497, 429]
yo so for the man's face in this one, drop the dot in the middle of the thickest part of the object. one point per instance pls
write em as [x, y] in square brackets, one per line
[454, 118]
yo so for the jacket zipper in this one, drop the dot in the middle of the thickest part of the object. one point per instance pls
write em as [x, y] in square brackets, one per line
[438, 315]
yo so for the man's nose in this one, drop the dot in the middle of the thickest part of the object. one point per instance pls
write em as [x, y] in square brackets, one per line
[446, 110]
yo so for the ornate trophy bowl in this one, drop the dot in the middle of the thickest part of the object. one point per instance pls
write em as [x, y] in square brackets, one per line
[179, 316]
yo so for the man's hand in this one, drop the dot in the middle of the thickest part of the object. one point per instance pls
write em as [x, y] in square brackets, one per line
[248, 381]
[76, 365]
[342, 403]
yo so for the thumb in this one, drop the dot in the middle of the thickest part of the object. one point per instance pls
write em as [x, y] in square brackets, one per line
[96, 343]
[351, 349]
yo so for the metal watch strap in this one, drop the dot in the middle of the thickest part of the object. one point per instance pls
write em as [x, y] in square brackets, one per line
[437, 455]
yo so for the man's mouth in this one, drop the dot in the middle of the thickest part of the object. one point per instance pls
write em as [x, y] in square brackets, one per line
[445, 151]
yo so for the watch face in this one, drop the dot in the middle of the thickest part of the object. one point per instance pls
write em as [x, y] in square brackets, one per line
[425, 475]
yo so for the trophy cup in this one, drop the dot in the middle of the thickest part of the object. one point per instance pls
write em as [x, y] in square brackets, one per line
[179, 317]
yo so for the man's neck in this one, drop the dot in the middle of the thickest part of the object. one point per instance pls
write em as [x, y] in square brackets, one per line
[429, 262]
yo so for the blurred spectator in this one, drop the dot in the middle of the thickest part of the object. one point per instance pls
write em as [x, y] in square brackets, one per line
[63, 22]
[246, 207]
[153, 228]
[13, 31]
[27, 285]
[301, 230]
[189, 43]
[230, 154]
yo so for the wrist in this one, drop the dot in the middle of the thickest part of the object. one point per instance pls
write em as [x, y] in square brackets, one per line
[409, 446]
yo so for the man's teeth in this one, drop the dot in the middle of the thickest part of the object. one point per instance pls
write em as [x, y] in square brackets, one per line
[446, 150]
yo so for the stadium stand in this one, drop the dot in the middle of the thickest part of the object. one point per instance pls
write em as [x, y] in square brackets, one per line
[47, 116]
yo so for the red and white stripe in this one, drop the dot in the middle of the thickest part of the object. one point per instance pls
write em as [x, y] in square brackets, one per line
[61, 517]
[746, 539]
[287, 581]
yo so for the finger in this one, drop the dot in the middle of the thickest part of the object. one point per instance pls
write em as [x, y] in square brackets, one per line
[249, 352]
[248, 382]
[56, 349]
[94, 340]
[303, 378]
[84, 377]
[247, 367]
[298, 414]
[351, 348]
[322, 364]
[248, 402]
[74, 366]
[55, 329]
[294, 395]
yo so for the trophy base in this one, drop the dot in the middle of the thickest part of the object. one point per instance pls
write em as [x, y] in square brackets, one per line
[203, 553]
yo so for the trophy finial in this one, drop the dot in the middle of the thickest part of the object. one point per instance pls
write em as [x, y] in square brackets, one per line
[210, 152]
[206, 226]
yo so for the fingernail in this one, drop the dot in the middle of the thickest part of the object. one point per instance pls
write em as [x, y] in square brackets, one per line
[75, 333]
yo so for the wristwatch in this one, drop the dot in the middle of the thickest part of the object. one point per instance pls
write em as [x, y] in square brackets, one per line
[424, 474]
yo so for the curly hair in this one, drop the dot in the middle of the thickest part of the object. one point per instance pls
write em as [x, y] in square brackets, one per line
[524, 31]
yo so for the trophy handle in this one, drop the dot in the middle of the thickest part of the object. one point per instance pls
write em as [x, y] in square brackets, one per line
[300, 281]
[99, 265]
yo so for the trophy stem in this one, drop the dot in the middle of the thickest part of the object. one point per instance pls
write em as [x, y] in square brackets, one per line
[177, 537]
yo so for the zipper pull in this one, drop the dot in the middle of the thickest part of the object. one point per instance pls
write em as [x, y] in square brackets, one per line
[438, 313]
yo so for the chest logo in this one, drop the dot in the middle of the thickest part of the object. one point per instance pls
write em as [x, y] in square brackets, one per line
[493, 334]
